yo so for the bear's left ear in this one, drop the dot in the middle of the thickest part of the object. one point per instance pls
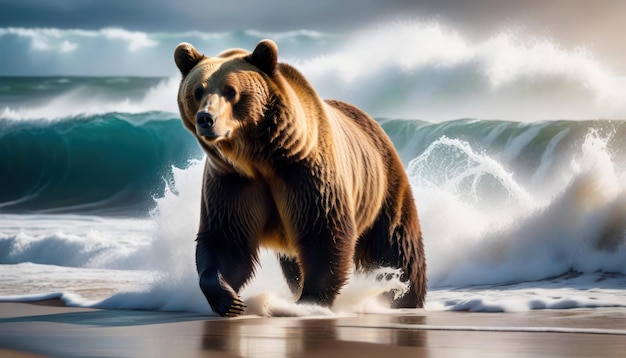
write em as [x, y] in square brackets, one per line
[265, 56]
[186, 57]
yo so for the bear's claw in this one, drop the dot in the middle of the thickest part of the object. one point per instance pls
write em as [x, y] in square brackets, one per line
[236, 308]
[227, 306]
[221, 297]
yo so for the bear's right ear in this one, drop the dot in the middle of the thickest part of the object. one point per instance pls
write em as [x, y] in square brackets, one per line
[265, 56]
[186, 57]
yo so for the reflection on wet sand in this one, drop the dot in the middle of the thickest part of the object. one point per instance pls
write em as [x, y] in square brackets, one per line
[55, 330]
[296, 337]
[420, 334]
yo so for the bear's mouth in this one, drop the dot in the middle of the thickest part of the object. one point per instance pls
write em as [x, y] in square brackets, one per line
[209, 135]
[206, 133]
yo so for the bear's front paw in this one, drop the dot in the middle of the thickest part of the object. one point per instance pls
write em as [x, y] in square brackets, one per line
[221, 297]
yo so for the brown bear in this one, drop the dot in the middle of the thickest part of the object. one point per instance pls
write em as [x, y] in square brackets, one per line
[316, 180]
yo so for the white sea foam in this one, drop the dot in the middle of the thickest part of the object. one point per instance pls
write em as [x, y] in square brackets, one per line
[429, 71]
[578, 224]
[82, 102]
[73, 240]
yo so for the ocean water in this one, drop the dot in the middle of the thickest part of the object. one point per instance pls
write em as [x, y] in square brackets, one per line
[513, 145]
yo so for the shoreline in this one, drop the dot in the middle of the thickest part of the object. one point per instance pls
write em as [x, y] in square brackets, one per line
[48, 328]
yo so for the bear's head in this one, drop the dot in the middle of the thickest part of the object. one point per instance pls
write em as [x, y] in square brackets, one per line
[224, 98]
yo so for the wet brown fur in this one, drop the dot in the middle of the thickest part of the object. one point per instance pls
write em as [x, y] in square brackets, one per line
[317, 181]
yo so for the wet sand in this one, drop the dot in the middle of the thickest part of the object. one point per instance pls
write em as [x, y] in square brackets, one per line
[50, 329]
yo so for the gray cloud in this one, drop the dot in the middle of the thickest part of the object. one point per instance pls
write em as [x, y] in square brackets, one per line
[183, 15]
[597, 25]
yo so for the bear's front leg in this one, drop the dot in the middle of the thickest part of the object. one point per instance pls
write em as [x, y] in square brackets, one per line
[221, 297]
[220, 281]
[227, 244]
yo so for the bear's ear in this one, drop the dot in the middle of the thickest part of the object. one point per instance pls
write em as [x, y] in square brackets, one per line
[265, 56]
[186, 57]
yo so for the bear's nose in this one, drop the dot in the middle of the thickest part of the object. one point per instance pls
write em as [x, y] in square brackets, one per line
[204, 119]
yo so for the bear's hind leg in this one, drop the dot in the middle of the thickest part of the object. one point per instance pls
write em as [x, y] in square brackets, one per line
[408, 300]
[292, 273]
[397, 247]
[326, 268]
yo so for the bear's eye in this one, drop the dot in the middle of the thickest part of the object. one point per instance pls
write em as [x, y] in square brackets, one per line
[198, 93]
[229, 92]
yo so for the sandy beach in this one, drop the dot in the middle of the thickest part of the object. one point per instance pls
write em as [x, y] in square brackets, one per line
[50, 329]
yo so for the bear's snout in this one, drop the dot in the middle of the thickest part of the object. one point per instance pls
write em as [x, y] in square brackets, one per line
[204, 120]
[205, 123]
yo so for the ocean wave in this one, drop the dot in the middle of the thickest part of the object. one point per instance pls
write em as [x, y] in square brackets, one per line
[515, 217]
[111, 163]
[75, 241]
[61, 98]
[402, 69]
[514, 226]
[430, 71]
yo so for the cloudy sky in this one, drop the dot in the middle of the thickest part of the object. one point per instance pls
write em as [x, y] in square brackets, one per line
[597, 25]
[600, 22]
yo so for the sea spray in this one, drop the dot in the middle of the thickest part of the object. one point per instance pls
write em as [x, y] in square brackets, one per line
[171, 255]
[452, 165]
[579, 227]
